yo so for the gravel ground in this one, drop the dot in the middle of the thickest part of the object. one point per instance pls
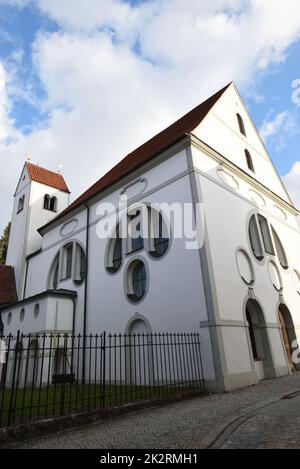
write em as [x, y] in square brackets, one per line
[193, 423]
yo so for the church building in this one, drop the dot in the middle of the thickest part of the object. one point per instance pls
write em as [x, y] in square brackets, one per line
[236, 283]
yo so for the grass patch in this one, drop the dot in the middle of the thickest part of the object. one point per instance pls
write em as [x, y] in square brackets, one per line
[35, 403]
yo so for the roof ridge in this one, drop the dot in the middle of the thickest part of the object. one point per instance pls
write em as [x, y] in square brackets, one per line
[46, 176]
[147, 151]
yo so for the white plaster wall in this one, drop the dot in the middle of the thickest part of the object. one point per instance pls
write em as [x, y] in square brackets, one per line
[18, 233]
[222, 122]
[175, 300]
[59, 314]
[55, 314]
[38, 216]
[227, 212]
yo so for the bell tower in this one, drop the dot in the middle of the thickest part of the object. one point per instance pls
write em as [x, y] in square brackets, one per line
[40, 195]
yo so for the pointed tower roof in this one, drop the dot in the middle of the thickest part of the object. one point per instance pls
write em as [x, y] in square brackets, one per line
[44, 176]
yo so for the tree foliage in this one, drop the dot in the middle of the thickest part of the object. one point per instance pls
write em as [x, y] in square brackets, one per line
[4, 244]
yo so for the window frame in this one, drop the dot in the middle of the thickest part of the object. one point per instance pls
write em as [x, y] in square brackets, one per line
[156, 218]
[135, 243]
[63, 269]
[257, 250]
[266, 234]
[21, 203]
[241, 124]
[50, 203]
[279, 249]
[131, 292]
[249, 160]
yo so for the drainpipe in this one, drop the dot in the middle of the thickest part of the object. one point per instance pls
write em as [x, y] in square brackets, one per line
[85, 290]
[73, 333]
[25, 281]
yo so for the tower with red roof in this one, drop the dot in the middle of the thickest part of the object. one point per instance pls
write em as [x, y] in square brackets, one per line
[40, 195]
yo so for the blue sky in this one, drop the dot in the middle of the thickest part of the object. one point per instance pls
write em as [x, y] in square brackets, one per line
[70, 72]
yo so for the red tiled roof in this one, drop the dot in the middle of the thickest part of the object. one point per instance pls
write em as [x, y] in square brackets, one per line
[146, 152]
[8, 293]
[44, 176]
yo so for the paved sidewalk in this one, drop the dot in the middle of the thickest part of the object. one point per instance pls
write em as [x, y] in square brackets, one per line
[195, 423]
[273, 426]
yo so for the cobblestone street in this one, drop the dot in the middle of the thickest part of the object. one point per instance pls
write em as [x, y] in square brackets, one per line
[254, 417]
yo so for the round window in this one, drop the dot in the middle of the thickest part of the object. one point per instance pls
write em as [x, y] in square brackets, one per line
[245, 267]
[274, 275]
[296, 278]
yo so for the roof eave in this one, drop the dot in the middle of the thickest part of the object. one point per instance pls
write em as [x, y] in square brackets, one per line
[59, 219]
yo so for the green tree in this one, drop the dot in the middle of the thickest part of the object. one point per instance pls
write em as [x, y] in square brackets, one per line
[4, 244]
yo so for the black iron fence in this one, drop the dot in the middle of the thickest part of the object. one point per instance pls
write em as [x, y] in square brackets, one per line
[50, 375]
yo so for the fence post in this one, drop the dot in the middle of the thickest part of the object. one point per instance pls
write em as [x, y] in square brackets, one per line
[103, 367]
[11, 406]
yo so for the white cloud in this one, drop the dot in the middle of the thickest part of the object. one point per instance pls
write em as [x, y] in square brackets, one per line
[279, 129]
[282, 120]
[115, 74]
[292, 182]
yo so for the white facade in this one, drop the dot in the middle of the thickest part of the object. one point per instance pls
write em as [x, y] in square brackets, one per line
[24, 237]
[213, 290]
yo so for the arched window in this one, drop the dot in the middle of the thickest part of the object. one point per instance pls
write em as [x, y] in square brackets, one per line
[69, 263]
[136, 280]
[266, 235]
[261, 240]
[249, 161]
[115, 254]
[279, 250]
[135, 238]
[147, 229]
[159, 241]
[255, 241]
[53, 204]
[53, 279]
[67, 260]
[46, 202]
[252, 335]
[241, 124]
[80, 265]
[21, 203]
[50, 203]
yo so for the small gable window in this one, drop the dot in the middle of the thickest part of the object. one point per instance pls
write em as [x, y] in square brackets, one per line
[241, 124]
[46, 202]
[21, 203]
[249, 161]
[53, 203]
[50, 203]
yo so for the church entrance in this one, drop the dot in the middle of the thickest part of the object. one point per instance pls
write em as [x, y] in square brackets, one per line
[288, 332]
[259, 341]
